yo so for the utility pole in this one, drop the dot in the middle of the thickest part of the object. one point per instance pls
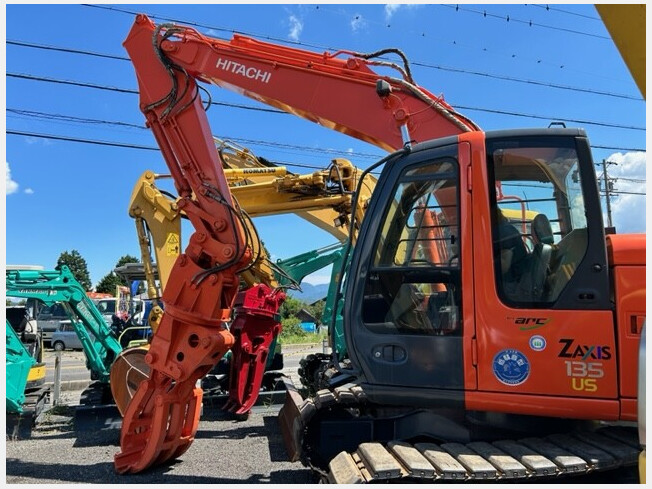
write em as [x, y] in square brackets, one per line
[606, 190]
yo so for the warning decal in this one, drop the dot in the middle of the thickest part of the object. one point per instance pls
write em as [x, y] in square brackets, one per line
[172, 244]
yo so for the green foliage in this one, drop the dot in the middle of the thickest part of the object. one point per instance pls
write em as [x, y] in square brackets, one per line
[291, 307]
[304, 338]
[126, 259]
[291, 328]
[108, 283]
[111, 280]
[78, 267]
[317, 309]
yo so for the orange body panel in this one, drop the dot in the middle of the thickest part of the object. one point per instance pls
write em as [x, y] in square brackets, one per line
[569, 358]
[627, 261]
[543, 405]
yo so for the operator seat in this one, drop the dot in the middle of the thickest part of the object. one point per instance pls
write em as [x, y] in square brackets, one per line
[541, 254]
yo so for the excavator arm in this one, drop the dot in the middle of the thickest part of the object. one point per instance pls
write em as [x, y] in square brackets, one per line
[345, 95]
[100, 345]
[161, 419]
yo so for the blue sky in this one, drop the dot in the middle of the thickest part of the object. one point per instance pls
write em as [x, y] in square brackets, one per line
[541, 65]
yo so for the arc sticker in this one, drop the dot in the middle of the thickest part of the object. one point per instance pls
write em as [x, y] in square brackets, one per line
[511, 367]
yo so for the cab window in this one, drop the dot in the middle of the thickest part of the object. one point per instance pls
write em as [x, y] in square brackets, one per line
[413, 286]
[539, 224]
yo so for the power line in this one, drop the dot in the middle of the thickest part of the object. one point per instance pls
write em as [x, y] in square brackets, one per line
[636, 150]
[79, 140]
[633, 180]
[273, 144]
[249, 107]
[70, 118]
[455, 43]
[244, 141]
[529, 82]
[622, 192]
[510, 18]
[130, 90]
[415, 63]
[317, 46]
[122, 145]
[66, 50]
[554, 9]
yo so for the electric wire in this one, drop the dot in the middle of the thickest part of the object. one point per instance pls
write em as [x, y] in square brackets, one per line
[232, 30]
[153, 148]
[510, 18]
[239, 106]
[415, 63]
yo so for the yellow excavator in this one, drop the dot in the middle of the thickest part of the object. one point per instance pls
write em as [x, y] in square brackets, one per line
[626, 26]
[323, 198]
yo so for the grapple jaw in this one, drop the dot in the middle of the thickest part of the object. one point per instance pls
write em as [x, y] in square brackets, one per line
[256, 325]
[161, 419]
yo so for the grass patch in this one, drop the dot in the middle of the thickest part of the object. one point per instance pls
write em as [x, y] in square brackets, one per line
[299, 338]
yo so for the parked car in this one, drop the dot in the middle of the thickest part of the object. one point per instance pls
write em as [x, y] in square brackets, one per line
[65, 338]
[49, 319]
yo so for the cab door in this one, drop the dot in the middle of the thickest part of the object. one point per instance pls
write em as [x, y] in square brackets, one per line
[544, 320]
[407, 316]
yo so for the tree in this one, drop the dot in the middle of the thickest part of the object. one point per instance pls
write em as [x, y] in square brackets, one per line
[111, 280]
[126, 259]
[317, 310]
[291, 307]
[77, 265]
[108, 283]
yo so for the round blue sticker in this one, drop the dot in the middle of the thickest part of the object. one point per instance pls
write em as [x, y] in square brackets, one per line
[538, 343]
[511, 367]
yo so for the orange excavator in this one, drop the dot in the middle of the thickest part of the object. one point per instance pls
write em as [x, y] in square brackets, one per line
[474, 352]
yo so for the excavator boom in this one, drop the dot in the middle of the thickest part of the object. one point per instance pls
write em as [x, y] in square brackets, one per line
[345, 95]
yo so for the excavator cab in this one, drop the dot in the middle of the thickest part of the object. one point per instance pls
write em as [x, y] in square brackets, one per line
[431, 322]
[413, 314]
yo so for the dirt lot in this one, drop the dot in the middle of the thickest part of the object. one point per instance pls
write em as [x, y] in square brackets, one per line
[224, 451]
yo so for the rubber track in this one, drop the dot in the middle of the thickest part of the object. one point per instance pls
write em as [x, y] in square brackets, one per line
[607, 448]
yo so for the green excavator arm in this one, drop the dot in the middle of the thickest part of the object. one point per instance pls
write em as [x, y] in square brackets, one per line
[99, 343]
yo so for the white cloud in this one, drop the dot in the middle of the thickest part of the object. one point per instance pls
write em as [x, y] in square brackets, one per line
[392, 8]
[11, 185]
[627, 205]
[357, 23]
[296, 26]
[29, 191]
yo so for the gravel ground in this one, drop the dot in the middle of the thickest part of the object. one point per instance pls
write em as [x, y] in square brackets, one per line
[224, 451]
